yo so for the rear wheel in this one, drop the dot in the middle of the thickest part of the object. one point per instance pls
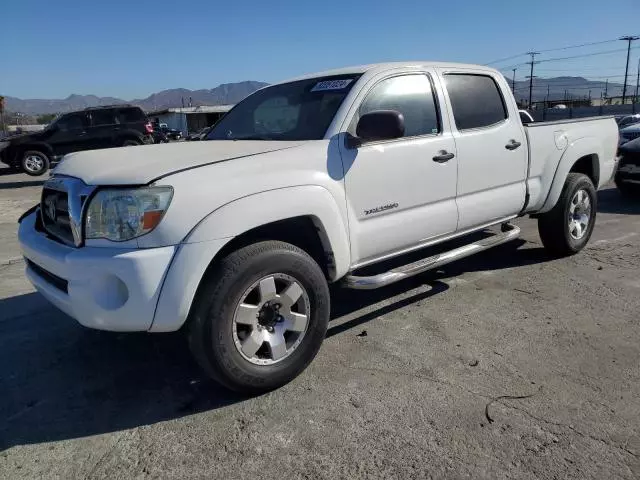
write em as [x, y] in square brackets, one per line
[130, 142]
[260, 317]
[567, 227]
[34, 163]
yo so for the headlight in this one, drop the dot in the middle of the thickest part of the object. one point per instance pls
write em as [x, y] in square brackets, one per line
[123, 214]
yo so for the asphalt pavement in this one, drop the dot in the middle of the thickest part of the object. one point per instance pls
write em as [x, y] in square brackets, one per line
[508, 364]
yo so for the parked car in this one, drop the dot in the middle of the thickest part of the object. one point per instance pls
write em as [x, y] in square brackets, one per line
[235, 239]
[199, 135]
[159, 136]
[626, 120]
[169, 133]
[627, 177]
[630, 132]
[89, 129]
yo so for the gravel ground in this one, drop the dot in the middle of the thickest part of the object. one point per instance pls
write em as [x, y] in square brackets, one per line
[505, 365]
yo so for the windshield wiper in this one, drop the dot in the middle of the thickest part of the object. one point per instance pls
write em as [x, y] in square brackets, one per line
[252, 137]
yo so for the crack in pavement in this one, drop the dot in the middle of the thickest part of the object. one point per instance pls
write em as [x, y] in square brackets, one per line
[11, 261]
[493, 399]
[573, 429]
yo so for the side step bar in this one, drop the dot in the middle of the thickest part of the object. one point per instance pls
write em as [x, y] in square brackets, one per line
[509, 232]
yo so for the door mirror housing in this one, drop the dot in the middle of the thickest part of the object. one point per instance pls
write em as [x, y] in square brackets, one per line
[380, 125]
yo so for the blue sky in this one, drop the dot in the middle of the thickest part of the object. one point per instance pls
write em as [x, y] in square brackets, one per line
[130, 49]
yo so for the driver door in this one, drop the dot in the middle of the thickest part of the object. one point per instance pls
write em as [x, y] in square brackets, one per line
[70, 134]
[402, 192]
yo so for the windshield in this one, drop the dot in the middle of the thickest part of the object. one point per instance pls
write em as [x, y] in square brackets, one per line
[301, 110]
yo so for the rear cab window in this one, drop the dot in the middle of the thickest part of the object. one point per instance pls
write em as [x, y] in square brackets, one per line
[476, 100]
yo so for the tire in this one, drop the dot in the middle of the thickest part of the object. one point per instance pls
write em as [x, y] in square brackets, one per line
[34, 163]
[130, 142]
[559, 235]
[217, 339]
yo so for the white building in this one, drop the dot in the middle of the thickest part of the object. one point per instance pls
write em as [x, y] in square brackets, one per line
[189, 119]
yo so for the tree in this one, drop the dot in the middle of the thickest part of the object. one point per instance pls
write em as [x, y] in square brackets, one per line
[46, 118]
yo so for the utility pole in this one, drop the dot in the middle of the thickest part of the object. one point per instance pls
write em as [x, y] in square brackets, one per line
[627, 39]
[547, 104]
[530, 86]
[513, 81]
[606, 88]
[637, 80]
[532, 63]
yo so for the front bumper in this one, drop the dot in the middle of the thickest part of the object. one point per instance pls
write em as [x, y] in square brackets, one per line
[104, 288]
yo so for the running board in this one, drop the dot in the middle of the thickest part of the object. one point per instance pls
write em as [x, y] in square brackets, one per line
[510, 232]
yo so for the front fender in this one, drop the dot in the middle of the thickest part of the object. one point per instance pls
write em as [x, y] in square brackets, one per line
[259, 209]
[579, 148]
[206, 239]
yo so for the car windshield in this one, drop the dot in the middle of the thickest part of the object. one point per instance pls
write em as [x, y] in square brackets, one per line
[301, 110]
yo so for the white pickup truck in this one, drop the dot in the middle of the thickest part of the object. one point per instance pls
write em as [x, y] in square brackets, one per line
[303, 183]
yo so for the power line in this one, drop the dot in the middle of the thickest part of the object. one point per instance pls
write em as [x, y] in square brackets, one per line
[506, 58]
[589, 44]
[606, 52]
[578, 46]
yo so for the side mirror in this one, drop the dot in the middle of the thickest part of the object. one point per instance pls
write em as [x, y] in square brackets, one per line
[380, 125]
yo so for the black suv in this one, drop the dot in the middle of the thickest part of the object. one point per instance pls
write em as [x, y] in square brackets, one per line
[89, 129]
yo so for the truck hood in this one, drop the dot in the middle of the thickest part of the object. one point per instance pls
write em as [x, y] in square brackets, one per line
[142, 164]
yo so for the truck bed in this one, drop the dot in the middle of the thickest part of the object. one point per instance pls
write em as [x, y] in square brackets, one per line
[549, 141]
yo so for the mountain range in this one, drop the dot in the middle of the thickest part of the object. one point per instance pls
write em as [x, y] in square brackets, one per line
[230, 93]
[227, 93]
[575, 87]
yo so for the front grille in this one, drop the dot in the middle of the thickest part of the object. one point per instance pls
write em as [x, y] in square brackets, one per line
[59, 283]
[61, 207]
[55, 215]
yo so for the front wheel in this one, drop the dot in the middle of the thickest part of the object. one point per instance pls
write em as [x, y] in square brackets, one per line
[567, 227]
[259, 317]
[34, 163]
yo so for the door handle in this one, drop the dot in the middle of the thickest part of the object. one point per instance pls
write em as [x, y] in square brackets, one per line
[512, 145]
[443, 156]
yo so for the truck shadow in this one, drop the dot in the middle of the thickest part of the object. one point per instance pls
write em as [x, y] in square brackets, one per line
[62, 381]
[610, 201]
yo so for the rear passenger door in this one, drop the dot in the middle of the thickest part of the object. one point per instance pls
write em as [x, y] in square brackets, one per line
[491, 148]
[131, 121]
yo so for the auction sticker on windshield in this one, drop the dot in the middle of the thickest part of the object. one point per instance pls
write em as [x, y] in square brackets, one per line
[331, 85]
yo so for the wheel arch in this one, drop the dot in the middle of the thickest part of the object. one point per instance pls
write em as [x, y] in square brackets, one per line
[272, 214]
[582, 156]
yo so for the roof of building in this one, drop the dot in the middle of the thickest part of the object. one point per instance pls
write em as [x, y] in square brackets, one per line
[191, 110]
